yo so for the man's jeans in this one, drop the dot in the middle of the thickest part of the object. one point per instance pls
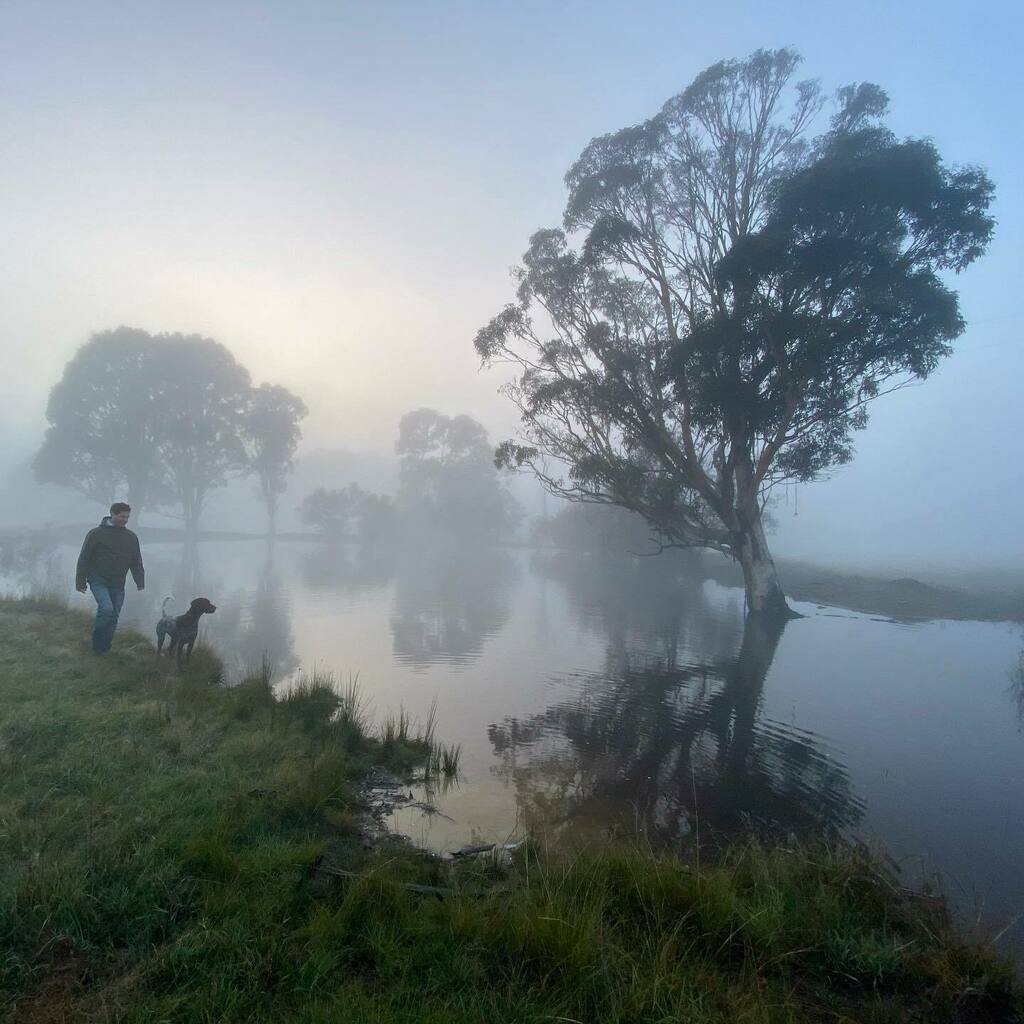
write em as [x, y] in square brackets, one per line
[108, 608]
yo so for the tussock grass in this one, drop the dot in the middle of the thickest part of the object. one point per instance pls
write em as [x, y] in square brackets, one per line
[312, 700]
[443, 761]
[396, 727]
[353, 707]
[173, 850]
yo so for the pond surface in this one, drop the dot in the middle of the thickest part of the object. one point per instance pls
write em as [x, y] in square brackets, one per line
[627, 699]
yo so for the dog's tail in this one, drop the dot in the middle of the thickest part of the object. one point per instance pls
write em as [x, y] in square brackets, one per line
[163, 607]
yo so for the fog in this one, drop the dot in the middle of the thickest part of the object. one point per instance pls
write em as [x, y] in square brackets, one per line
[336, 193]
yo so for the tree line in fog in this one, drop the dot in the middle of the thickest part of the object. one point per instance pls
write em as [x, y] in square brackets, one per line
[164, 420]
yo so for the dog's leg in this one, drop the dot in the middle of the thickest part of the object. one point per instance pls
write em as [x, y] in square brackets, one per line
[161, 635]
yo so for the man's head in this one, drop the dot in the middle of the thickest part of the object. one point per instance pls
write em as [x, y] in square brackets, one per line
[119, 513]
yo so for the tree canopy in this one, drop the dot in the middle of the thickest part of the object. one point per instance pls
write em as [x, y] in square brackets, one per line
[271, 434]
[203, 395]
[447, 478]
[163, 420]
[102, 434]
[349, 513]
[739, 290]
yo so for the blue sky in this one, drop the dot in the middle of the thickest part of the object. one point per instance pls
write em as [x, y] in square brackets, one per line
[336, 192]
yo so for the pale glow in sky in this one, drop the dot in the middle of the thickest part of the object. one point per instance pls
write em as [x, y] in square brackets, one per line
[336, 192]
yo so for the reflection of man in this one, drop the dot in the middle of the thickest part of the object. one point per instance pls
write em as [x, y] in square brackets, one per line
[108, 553]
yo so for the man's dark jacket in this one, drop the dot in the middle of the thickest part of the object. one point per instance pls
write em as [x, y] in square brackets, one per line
[108, 553]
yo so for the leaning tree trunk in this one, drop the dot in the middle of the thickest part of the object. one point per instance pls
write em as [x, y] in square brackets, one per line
[760, 577]
[742, 691]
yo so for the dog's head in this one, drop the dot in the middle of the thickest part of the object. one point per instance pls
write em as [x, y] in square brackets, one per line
[202, 606]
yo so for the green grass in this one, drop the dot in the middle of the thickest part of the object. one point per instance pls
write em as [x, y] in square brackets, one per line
[171, 850]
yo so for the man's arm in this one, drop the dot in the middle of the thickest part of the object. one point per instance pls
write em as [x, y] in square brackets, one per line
[83, 562]
[138, 569]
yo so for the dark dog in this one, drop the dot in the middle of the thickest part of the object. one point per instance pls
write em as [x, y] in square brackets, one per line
[182, 630]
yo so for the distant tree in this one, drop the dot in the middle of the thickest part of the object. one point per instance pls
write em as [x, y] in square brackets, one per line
[350, 513]
[271, 433]
[741, 292]
[376, 517]
[601, 529]
[162, 420]
[447, 477]
[267, 641]
[448, 604]
[200, 405]
[103, 427]
[331, 512]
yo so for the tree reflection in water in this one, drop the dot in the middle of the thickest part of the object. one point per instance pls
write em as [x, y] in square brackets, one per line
[1017, 689]
[266, 639]
[29, 560]
[188, 577]
[348, 568]
[671, 737]
[448, 603]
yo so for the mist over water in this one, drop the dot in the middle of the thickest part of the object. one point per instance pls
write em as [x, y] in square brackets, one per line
[597, 697]
[272, 204]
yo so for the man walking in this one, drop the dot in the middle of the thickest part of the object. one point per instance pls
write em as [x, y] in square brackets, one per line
[110, 550]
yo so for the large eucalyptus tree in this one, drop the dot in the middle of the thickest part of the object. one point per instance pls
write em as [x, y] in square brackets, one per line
[740, 289]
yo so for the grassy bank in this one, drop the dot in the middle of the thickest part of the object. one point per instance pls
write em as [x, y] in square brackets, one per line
[174, 851]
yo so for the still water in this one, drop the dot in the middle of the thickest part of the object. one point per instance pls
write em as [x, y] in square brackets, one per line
[627, 699]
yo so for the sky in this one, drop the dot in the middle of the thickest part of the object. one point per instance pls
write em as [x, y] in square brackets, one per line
[337, 191]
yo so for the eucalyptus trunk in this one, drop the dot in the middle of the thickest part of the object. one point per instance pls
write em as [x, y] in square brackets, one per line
[749, 546]
[765, 596]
